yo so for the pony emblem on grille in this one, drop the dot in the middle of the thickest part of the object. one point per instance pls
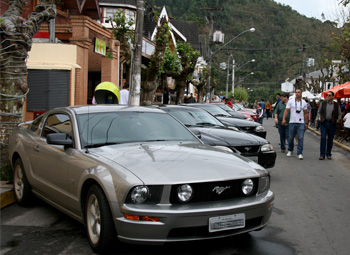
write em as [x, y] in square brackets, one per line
[247, 148]
[219, 190]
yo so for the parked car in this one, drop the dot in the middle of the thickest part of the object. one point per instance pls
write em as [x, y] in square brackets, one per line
[250, 112]
[212, 132]
[236, 113]
[138, 175]
[243, 125]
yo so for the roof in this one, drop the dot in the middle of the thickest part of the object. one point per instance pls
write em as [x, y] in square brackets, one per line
[190, 30]
[119, 3]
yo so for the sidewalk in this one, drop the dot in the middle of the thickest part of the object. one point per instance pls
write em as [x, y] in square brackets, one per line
[7, 196]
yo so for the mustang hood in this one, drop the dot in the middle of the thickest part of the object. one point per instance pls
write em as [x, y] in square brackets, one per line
[227, 137]
[168, 164]
[238, 122]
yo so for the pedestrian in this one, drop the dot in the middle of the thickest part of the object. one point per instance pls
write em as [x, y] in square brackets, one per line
[278, 99]
[298, 122]
[232, 99]
[191, 99]
[267, 109]
[124, 94]
[330, 115]
[259, 113]
[228, 102]
[347, 120]
[283, 130]
[166, 96]
[262, 103]
[255, 105]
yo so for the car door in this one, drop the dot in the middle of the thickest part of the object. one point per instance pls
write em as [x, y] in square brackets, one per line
[49, 162]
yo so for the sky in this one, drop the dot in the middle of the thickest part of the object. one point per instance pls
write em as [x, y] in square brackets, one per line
[314, 8]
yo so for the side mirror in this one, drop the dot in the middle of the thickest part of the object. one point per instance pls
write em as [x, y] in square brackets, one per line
[197, 133]
[59, 139]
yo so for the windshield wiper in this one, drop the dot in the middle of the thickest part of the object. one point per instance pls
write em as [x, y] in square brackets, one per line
[222, 115]
[205, 124]
[96, 145]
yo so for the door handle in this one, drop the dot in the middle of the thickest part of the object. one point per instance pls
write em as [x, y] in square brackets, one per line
[36, 148]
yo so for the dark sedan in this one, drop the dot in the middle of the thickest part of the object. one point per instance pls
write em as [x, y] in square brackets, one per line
[212, 132]
[226, 118]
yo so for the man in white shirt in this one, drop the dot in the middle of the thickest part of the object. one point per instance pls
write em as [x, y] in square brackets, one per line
[124, 94]
[298, 123]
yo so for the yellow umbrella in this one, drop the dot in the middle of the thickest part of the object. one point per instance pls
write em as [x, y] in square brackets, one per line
[107, 93]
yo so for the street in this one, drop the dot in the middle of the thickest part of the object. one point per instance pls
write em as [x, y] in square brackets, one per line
[310, 216]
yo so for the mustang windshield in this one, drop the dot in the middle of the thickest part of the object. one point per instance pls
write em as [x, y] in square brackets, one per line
[195, 118]
[98, 129]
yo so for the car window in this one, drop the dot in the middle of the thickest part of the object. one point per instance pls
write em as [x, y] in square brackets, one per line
[58, 123]
[215, 110]
[124, 127]
[195, 117]
[35, 124]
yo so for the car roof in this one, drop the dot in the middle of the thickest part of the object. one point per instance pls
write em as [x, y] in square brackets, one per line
[179, 107]
[108, 108]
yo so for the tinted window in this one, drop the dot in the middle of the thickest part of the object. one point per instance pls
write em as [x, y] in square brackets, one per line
[215, 110]
[195, 117]
[58, 123]
[35, 124]
[123, 127]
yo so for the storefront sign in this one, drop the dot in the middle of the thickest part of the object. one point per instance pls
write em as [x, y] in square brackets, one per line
[100, 46]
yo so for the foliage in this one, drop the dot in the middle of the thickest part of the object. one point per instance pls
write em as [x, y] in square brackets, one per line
[275, 45]
[171, 62]
[241, 94]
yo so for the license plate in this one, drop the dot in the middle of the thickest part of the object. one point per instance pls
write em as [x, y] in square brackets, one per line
[226, 222]
[255, 159]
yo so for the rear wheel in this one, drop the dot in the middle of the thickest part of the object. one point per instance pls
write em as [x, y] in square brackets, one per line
[22, 189]
[98, 220]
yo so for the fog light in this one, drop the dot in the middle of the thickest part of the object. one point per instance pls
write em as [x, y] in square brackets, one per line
[184, 193]
[141, 218]
[247, 187]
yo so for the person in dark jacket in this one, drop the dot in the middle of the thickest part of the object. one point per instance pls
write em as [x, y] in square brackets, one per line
[329, 114]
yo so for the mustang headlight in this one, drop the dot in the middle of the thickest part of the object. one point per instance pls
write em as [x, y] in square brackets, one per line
[248, 187]
[264, 183]
[259, 128]
[184, 193]
[267, 147]
[139, 194]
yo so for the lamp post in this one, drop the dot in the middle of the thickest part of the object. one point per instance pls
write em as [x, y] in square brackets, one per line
[211, 54]
[242, 79]
[233, 74]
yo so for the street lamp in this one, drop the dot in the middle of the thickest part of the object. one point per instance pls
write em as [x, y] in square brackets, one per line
[233, 73]
[211, 54]
[242, 79]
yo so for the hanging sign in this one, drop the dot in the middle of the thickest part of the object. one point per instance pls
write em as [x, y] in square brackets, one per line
[100, 46]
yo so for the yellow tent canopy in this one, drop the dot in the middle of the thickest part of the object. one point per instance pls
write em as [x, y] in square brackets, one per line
[107, 93]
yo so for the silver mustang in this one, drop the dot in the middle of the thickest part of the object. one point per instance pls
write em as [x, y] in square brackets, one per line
[136, 174]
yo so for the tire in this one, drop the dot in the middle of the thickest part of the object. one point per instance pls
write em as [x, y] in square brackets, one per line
[21, 186]
[99, 223]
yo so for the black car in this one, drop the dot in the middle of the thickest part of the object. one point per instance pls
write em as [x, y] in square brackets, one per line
[212, 132]
[226, 118]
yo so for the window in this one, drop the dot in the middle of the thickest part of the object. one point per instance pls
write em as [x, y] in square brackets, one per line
[58, 123]
[35, 125]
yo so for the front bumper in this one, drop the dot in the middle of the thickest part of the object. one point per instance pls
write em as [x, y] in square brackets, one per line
[190, 222]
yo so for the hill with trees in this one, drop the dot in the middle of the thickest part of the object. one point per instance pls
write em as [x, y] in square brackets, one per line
[282, 39]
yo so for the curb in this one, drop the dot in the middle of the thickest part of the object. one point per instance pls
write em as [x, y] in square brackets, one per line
[7, 195]
[345, 147]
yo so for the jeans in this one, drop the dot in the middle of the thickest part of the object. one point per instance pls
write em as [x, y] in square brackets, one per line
[327, 128]
[260, 120]
[299, 129]
[284, 134]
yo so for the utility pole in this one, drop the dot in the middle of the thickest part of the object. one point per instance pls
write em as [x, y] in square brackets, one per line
[210, 43]
[228, 74]
[136, 76]
[233, 77]
[303, 68]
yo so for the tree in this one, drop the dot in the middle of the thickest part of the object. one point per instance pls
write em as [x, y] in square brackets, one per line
[16, 35]
[150, 76]
[188, 59]
[201, 83]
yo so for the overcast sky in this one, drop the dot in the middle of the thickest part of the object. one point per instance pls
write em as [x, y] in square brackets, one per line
[315, 8]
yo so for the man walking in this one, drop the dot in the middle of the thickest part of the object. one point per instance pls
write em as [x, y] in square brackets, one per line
[124, 94]
[283, 130]
[330, 114]
[298, 122]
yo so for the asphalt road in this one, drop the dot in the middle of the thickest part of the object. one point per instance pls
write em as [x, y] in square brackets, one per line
[311, 215]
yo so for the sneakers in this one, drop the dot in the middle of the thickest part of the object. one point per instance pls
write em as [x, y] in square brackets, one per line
[300, 156]
[289, 154]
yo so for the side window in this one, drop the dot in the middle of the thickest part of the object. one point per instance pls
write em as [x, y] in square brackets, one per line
[35, 125]
[58, 123]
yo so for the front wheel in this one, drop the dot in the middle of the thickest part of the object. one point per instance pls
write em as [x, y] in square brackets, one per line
[98, 220]
[21, 186]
